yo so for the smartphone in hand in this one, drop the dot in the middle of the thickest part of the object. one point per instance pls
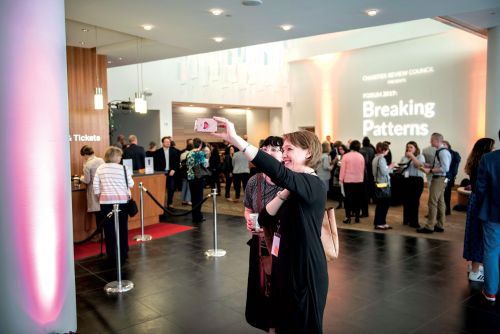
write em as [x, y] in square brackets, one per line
[205, 125]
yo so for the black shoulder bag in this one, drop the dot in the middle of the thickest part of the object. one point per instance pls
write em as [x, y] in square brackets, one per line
[131, 204]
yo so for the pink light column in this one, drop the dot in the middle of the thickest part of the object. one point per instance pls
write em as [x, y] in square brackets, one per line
[36, 249]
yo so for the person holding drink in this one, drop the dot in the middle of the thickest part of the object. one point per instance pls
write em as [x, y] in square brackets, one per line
[259, 192]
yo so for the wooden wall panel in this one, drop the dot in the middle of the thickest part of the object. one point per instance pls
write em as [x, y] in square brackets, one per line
[83, 119]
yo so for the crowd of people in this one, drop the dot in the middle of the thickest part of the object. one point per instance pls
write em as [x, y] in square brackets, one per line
[359, 173]
[285, 198]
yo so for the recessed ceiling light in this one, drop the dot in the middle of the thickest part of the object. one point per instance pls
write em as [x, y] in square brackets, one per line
[218, 39]
[147, 27]
[220, 107]
[110, 62]
[120, 58]
[82, 43]
[251, 2]
[371, 12]
[85, 30]
[216, 11]
[286, 27]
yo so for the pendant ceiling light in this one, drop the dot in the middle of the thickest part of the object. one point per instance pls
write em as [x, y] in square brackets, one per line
[140, 104]
[98, 98]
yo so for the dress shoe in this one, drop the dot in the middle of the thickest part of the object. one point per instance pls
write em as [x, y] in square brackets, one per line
[347, 220]
[438, 229]
[424, 230]
[339, 206]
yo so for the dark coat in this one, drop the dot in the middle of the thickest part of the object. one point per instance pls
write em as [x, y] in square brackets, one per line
[173, 157]
[487, 187]
[137, 154]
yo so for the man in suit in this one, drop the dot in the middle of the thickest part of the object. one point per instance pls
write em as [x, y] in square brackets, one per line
[135, 152]
[488, 204]
[167, 160]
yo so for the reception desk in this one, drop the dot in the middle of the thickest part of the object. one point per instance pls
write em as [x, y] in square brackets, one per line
[84, 223]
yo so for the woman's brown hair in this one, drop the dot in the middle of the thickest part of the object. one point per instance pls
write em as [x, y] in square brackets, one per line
[414, 144]
[381, 147]
[86, 150]
[307, 141]
[481, 147]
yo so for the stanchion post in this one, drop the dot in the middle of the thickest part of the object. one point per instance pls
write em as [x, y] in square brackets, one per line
[142, 236]
[216, 252]
[119, 285]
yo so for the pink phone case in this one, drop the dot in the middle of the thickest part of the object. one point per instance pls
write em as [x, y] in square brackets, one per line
[205, 125]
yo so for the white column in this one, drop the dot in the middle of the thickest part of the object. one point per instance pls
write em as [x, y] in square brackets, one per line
[36, 246]
[493, 84]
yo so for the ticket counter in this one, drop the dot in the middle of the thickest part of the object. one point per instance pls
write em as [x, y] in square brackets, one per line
[84, 223]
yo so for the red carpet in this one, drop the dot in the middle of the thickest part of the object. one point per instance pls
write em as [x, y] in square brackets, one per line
[157, 231]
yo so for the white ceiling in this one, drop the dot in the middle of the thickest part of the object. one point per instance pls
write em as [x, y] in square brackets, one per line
[185, 27]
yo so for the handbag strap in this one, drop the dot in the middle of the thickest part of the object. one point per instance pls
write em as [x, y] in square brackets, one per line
[259, 192]
[125, 176]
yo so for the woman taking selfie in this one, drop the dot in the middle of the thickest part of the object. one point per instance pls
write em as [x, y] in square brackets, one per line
[299, 283]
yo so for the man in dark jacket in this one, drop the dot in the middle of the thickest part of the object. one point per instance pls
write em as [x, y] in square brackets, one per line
[488, 204]
[167, 160]
[368, 152]
[135, 152]
[451, 175]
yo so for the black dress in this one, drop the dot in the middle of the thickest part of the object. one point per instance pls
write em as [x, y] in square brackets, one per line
[299, 284]
[258, 306]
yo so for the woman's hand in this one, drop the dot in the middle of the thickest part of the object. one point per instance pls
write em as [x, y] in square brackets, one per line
[232, 137]
[248, 220]
[229, 134]
[249, 225]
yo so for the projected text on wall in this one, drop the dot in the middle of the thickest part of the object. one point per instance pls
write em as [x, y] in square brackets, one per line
[388, 112]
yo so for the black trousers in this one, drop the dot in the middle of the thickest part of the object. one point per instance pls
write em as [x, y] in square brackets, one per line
[215, 180]
[412, 190]
[110, 232]
[229, 181]
[196, 187]
[354, 198]
[170, 188]
[447, 194]
[238, 179]
[366, 196]
[381, 211]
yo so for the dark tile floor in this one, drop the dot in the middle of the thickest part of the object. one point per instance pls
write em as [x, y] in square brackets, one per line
[380, 284]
